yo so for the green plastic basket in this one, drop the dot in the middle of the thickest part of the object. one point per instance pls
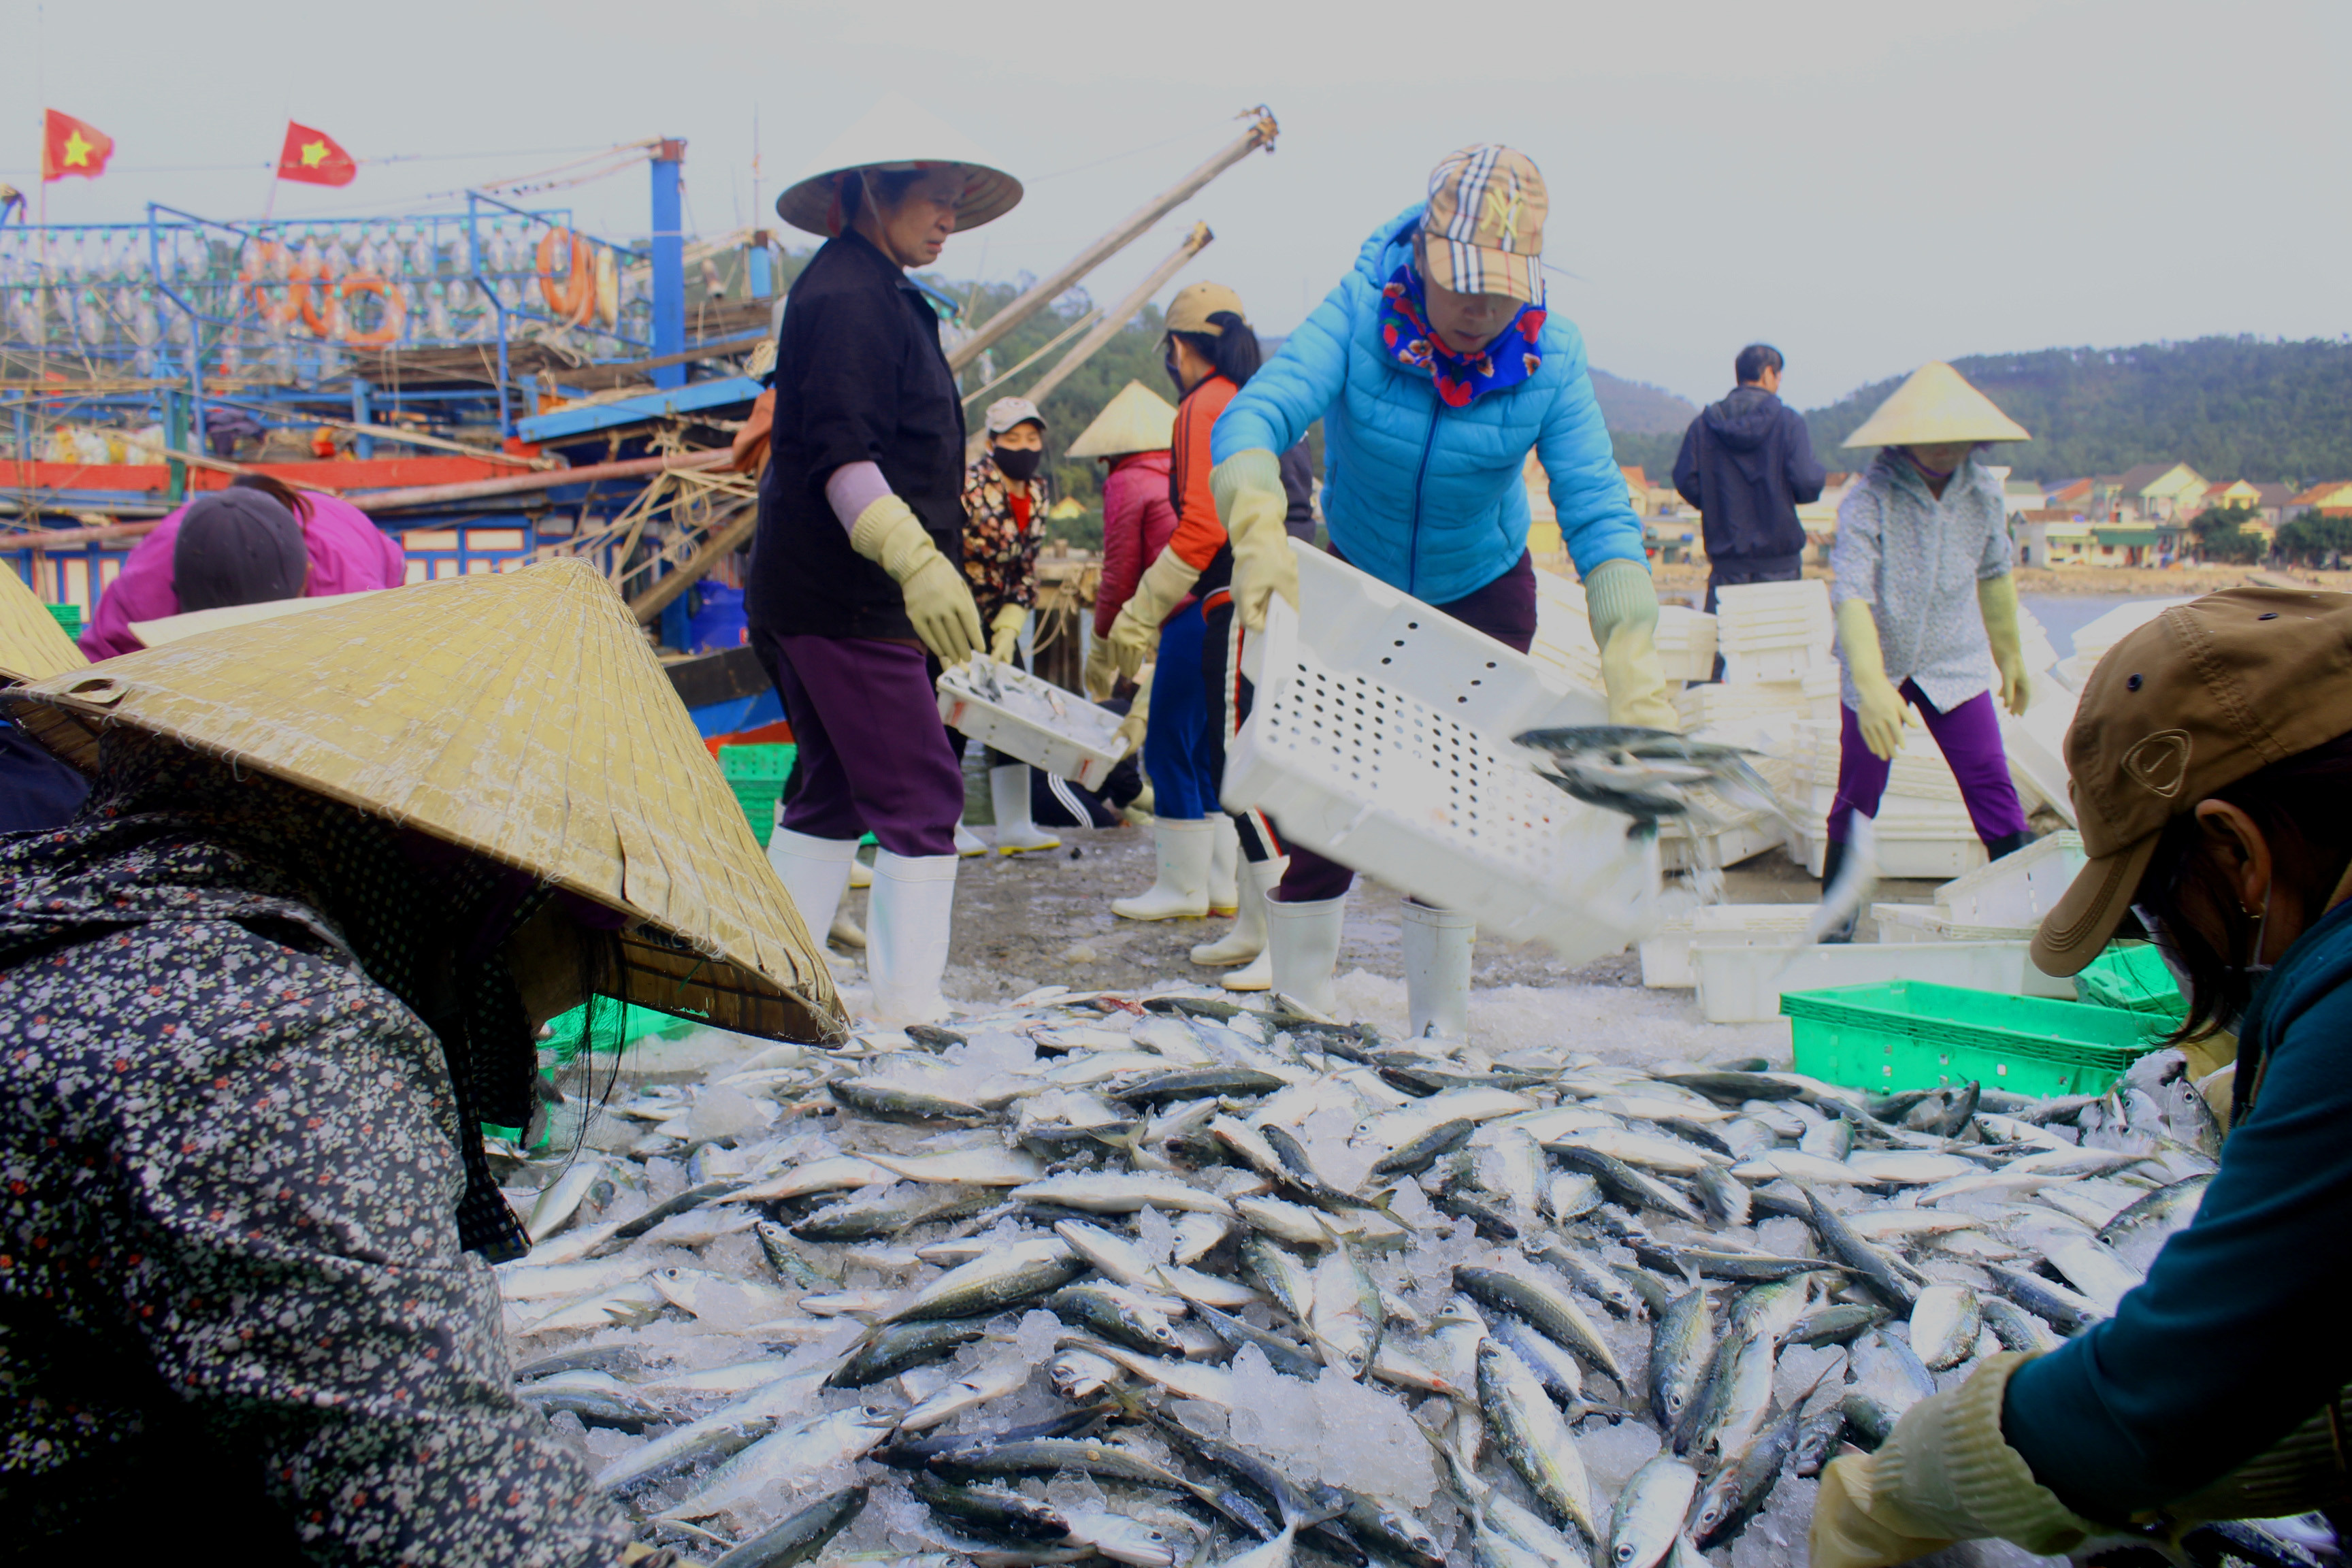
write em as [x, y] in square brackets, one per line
[2131, 977]
[69, 618]
[756, 775]
[1907, 1034]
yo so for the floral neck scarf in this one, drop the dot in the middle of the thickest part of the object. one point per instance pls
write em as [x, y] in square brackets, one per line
[1509, 360]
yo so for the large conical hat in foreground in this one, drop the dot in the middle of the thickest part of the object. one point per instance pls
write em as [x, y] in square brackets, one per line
[896, 133]
[32, 644]
[196, 623]
[1137, 420]
[520, 716]
[1935, 405]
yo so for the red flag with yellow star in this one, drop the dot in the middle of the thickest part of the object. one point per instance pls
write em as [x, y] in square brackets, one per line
[315, 157]
[70, 146]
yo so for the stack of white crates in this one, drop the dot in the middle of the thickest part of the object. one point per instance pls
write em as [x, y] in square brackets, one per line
[1685, 638]
[1922, 829]
[1774, 633]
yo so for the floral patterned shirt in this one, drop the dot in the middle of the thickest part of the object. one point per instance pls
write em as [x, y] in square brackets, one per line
[1916, 560]
[1000, 553]
[232, 1296]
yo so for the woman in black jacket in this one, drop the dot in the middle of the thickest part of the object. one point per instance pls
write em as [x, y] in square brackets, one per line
[856, 582]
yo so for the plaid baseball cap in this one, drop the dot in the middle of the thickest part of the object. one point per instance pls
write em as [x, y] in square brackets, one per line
[2203, 695]
[1006, 412]
[1485, 223]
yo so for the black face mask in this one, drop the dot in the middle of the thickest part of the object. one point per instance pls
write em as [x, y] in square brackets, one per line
[1018, 464]
[1169, 359]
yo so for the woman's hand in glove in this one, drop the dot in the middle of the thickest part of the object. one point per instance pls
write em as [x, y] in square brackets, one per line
[1249, 501]
[1881, 715]
[1621, 606]
[1101, 677]
[1005, 632]
[1945, 1474]
[1157, 594]
[939, 601]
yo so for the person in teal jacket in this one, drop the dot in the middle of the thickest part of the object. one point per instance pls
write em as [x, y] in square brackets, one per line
[1436, 369]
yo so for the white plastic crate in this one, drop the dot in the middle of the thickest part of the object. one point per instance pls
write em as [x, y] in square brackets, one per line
[1740, 983]
[1666, 955]
[1379, 736]
[1752, 834]
[1933, 922]
[1710, 705]
[2035, 744]
[2017, 890]
[1788, 661]
[1937, 856]
[1077, 740]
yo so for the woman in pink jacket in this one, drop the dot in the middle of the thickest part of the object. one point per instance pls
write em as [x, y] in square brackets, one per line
[348, 554]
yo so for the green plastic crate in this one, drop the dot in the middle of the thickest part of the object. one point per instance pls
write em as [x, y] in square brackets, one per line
[756, 775]
[2130, 976]
[1907, 1034]
[69, 618]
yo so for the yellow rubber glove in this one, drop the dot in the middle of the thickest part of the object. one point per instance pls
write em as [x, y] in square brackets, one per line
[1138, 716]
[938, 602]
[1005, 632]
[1945, 1474]
[1882, 712]
[1252, 505]
[1161, 588]
[1101, 677]
[1997, 600]
[1621, 605]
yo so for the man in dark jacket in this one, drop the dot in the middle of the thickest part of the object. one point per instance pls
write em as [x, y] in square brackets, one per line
[1748, 464]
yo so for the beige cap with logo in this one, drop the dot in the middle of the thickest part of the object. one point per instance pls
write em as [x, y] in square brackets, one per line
[1484, 224]
[2198, 699]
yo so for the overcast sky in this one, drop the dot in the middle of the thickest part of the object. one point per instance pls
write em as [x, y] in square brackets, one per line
[1868, 184]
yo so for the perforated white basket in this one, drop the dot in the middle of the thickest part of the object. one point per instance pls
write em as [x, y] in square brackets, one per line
[1080, 743]
[1379, 736]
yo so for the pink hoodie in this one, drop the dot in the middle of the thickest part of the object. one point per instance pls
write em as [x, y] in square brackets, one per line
[348, 554]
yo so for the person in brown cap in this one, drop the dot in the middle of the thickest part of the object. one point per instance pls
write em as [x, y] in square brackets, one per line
[2211, 759]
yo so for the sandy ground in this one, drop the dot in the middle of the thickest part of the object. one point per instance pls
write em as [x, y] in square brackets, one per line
[1043, 919]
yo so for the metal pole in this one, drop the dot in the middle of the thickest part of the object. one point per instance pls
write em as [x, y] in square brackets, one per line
[1126, 310]
[669, 263]
[363, 446]
[1260, 133]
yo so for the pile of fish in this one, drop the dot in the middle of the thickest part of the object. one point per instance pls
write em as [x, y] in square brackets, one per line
[1165, 1282]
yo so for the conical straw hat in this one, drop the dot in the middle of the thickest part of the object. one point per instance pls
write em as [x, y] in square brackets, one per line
[896, 133]
[520, 716]
[1935, 405]
[1137, 420]
[32, 644]
[195, 623]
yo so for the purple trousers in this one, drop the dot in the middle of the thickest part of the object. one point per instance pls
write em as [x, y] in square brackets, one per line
[1970, 738]
[1505, 609]
[874, 757]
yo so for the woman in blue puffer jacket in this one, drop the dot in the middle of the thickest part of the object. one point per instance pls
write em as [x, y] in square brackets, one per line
[1435, 369]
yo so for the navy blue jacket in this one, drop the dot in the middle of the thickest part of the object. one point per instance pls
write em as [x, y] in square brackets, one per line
[2237, 1337]
[1748, 464]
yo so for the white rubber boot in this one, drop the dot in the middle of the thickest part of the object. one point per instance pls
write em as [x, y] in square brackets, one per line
[813, 871]
[861, 875]
[1182, 890]
[1302, 942]
[968, 843]
[1017, 832]
[908, 919]
[1224, 883]
[1246, 940]
[845, 932]
[1436, 945]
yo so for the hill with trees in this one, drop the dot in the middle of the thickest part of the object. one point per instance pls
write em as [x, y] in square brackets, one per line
[2229, 407]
